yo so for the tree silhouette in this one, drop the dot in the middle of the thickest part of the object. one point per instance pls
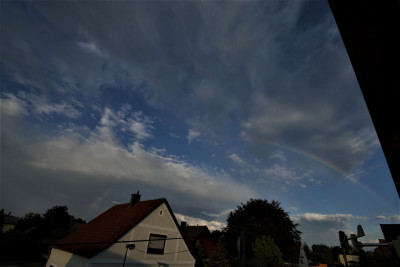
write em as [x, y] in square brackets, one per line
[321, 254]
[266, 253]
[256, 218]
[219, 257]
[34, 233]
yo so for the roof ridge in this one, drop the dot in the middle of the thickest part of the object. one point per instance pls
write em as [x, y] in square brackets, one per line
[141, 201]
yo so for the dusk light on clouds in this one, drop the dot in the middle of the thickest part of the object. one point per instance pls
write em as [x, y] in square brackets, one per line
[205, 103]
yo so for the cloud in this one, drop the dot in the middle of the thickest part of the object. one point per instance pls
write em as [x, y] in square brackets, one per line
[135, 123]
[192, 135]
[235, 158]
[90, 47]
[324, 228]
[140, 125]
[12, 105]
[282, 172]
[97, 156]
[87, 85]
[393, 218]
[277, 174]
[42, 106]
[30, 102]
[279, 155]
[210, 64]
[192, 221]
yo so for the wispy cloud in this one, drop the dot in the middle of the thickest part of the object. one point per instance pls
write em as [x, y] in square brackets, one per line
[235, 158]
[228, 79]
[279, 155]
[40, 105]
[393, 218]
[324, 228]
[100, 156]
[90, 47]
[99, 98]
[212, 225]
[192, 135]
[12, 105]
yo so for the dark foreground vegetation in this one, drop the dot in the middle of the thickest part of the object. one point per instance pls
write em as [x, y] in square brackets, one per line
[29, 241]
[258, 234]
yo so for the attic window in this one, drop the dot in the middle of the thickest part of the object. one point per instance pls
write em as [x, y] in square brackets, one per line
[161, 212]
[156, 244]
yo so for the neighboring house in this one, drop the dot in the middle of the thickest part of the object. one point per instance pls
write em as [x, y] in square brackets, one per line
[200, 235]
[303, 261]
[383, 251]
[300, 255]
[151, 225]
[9, 223]
[352, 260]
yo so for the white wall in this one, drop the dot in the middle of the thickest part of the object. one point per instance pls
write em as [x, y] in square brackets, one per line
[159, 222]
[60, 258]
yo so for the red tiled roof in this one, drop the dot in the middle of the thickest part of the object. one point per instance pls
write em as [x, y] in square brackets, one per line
[107, 228]
[191, 233]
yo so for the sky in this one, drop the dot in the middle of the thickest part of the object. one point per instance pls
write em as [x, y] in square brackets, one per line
[205, 103]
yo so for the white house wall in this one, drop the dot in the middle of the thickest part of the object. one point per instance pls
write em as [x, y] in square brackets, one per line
[61, 258]
[159, 222]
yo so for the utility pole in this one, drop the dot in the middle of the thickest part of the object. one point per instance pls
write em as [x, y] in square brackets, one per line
[242, 248]
[344, 243]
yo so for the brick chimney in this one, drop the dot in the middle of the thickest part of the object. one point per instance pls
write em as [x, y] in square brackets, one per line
[135, 198]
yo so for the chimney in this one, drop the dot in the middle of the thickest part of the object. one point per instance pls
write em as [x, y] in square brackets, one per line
[135, 198]
[183, 224]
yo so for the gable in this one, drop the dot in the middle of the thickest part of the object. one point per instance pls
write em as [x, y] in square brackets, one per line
[102, 231]
[159, 222]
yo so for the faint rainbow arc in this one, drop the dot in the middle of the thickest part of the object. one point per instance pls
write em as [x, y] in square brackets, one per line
[327, 164]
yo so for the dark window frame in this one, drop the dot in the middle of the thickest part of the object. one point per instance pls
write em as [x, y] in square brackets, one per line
[154, 244]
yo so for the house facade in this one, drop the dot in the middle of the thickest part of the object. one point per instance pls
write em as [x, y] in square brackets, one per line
[199, 235]
[9, 223]
[303, 261]
[150, 225]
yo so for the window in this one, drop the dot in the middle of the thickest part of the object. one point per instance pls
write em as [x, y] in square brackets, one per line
[156, 244]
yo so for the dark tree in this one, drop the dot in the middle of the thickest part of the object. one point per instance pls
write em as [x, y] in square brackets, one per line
[256, 218]
[321, 254]
[372, 259]
[34, 233]
[266, 253]
[219, 257]
[216, 235]
[57, 217]
[28, 222]
[336, 251]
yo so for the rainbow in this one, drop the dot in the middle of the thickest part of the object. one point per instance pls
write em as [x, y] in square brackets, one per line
[330, 166]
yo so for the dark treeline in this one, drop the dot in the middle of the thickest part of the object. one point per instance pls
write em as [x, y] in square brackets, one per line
[257, 234]
[34, 233]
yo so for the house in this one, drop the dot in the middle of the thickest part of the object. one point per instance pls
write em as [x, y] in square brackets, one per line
[299, 256]
[352, 260]
[383, 251]
[9, 223]
[139, 233]
[303, 261]
[199, 235]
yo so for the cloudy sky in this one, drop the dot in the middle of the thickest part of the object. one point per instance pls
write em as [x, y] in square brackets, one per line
[205, 103]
